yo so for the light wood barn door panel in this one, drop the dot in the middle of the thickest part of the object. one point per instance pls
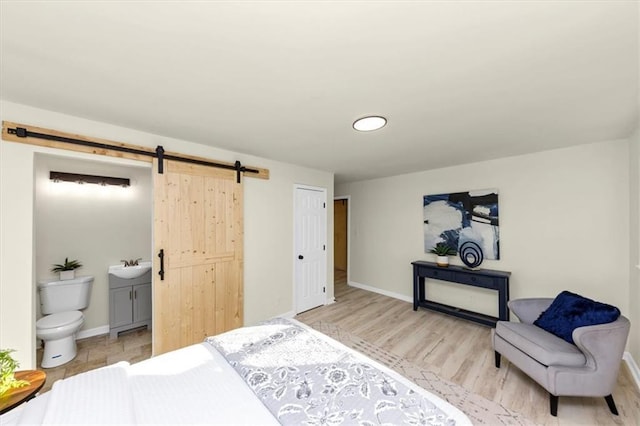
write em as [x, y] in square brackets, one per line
[199, 225]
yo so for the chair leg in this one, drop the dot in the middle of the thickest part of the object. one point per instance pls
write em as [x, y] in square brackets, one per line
[611, 404]
[553, 404]
[497, 356]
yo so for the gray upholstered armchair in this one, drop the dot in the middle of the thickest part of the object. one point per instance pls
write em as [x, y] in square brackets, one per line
[588, 368]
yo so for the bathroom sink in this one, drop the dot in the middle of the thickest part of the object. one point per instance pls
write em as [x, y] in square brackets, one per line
[128, 272]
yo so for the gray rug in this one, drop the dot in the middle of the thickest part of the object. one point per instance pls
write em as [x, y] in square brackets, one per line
[479, 409]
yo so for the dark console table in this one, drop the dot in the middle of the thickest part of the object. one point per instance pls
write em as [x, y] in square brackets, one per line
[485, 278]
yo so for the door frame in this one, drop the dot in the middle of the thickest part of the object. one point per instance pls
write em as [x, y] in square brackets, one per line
[348, 198]
[296, 187]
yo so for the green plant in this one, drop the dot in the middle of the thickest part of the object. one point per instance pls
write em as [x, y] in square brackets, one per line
[66, 266]
[7, 367]
[443, 249]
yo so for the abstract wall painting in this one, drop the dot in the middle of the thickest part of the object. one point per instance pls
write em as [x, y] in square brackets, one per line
[466, 221]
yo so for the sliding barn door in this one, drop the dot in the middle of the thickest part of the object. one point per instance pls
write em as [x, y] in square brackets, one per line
[198, 226]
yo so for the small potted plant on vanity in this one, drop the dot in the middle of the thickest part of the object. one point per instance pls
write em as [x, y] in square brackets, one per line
[443, 251]
[8, 367]
[67, 269]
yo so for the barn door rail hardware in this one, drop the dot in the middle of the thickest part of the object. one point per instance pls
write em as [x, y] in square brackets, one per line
[159, 153]
[21, 132]
[237, 166]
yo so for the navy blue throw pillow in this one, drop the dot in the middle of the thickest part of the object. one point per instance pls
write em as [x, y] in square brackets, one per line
[569, 311]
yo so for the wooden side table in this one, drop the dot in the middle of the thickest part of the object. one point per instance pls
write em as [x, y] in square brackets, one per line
[17, 396]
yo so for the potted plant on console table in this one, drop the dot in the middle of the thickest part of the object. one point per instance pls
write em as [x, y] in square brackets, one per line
[443, 251]
[67, 269]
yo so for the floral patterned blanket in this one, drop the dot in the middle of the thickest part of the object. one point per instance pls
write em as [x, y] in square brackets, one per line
[304, 379]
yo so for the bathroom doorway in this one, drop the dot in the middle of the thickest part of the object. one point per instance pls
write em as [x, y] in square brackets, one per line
[98, 225]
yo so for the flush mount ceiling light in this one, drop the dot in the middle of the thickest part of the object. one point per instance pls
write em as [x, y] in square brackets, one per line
[367, 124]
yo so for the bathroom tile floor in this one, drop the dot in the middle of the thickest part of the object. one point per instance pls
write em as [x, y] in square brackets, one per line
[97, 351]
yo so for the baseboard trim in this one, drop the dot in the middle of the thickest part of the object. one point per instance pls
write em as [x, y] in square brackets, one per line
[83, 334]
[292, 314]
[381, 291]
[633, 368]
[289, 314]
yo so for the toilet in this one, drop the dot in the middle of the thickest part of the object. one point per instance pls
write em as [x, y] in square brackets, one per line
[60, 302]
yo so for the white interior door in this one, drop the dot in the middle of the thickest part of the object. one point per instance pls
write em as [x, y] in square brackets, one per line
[310, 230]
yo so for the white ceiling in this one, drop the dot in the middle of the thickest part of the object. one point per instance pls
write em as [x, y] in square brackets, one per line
[459, 81]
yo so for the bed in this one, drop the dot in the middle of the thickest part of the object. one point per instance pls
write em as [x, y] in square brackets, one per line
[278, 372]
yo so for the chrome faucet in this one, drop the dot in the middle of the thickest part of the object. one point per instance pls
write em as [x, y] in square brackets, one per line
[131, 262]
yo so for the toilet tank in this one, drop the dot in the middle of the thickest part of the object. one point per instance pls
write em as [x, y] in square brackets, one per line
[67, 295]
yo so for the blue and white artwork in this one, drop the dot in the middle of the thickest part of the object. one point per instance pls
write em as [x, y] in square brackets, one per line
[462, 217]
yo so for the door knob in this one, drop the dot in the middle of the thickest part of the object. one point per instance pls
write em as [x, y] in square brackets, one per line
[300, 257]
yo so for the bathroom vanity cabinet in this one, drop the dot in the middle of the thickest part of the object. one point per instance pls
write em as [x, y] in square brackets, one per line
[129, 303]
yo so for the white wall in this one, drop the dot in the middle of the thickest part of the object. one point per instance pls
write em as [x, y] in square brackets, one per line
[98, 225]
[268, 266]
[634, 283]
[634, 257]
[564, 224]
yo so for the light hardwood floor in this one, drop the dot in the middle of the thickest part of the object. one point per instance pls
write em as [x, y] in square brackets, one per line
[456, 350]
[460, 351]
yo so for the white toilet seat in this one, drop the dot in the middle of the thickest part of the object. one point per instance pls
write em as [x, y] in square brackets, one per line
[61, 319]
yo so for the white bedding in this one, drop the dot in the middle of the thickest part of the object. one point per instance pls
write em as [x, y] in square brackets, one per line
[192, 385]
[102, 394]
